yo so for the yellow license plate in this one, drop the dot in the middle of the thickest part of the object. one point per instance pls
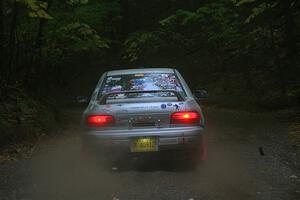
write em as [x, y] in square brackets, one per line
[144, 144]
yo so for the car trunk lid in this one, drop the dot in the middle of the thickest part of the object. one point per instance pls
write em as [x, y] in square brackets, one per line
[142, 115]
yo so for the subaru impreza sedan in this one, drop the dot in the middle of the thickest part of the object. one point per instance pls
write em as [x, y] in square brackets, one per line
[143, 111]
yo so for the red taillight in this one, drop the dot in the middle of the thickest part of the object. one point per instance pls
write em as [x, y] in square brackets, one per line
[100, 120]
[189, 117]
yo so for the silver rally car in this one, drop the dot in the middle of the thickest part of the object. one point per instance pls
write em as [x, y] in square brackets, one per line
[138, 111]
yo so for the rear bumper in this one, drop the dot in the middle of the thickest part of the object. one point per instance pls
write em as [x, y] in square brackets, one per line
[177, 138]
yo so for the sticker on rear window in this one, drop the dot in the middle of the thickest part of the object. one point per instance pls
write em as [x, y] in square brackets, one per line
[142, 82]
[139, 75]
[116, 78]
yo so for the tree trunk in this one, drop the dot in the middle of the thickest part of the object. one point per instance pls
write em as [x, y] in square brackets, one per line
[39, 64]
[290, 27]
[39, 35]
[36, 51]
[1, 36]
[11, 42]
[2, 39]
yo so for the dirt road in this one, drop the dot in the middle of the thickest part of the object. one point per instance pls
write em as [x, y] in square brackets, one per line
[250, 156]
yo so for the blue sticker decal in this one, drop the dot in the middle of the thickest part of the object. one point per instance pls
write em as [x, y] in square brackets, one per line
[163, 106]
[169, 104]
[176, 107]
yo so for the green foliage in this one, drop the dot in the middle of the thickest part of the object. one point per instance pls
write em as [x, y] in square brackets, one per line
[212, 22]
[181, 17]
[210, 25]
[103, 17]
[242, 2]
[77, 2]
[82, 36]
[84, 27]
[74, 37]
[259, 8]
[36, 9]
[137, 43]
[257, 11]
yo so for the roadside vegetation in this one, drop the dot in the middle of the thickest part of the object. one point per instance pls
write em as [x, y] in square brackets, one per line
[244, 52]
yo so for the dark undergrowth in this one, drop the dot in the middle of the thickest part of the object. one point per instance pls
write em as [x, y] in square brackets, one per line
[24, 118]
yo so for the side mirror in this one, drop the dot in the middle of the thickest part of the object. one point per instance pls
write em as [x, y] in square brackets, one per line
[201, 94]
[82, 99]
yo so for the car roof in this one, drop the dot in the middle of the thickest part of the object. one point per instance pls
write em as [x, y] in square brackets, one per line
[141, 70]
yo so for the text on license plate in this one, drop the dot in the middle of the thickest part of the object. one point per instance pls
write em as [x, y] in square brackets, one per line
[144, 144]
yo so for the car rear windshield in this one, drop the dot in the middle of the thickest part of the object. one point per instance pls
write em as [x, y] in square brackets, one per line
[142, 82]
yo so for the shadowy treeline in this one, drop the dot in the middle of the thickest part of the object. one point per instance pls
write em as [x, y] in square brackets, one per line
[244, 52]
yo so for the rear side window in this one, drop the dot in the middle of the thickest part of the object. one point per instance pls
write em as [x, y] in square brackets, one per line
[142, 82]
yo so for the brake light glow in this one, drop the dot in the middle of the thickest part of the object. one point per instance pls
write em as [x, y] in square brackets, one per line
[100, 120]
[189, 117]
